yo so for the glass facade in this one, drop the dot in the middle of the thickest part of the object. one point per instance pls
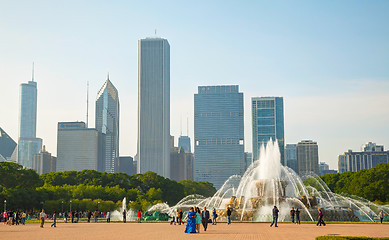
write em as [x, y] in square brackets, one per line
[307, 157]
[107, 123]
[184, 143]
[291, 156]
[28, 144]
[154, 106]
[219, 133]
[267, 123]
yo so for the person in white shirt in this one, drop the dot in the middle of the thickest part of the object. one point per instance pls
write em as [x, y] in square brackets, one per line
[108, 217]
[42, 216]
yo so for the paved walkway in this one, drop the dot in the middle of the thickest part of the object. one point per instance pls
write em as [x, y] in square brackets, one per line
[162, 231]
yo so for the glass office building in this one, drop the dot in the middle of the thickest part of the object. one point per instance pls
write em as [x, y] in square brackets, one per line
[107, 123]
[291, 156]
[28, 144]
[267, 123]
[219, 133]
[153, 148]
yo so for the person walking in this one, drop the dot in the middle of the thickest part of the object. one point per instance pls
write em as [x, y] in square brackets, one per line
[180, 217]
[73, 213]
[5, 216]
[292, 213]
[65, 216]
[321, 221]
[24, 218]
[381, 215]
[173, 219]
[89, 215]
[139, 215]
[297, 216]
[42, 216]
[214, 216]
[205, 218]
[54, 219]
[275, 216]
[191, 224]
[229, 211]
[108, 216]
[95, 215]
[77, 216]
[198, 219]
[124, 215]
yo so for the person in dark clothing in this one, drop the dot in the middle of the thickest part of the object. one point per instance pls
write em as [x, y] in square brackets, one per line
[77, 216]
[275, 216]
[54, 219]
[292, 212]
[297, 216]
[229, 211]
[89, 215]
[321, 221]
[65, 216]
[180, 218]
[205, 218]
[73, 213]
[124, 215]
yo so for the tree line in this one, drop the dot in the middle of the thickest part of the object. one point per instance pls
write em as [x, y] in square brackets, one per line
[24, 189]
[371, 184]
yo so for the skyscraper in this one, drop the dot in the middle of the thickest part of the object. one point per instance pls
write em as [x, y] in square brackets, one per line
[77, 147]
[219, 133]
[43, 162]
[291, 156]
[107, 123]
[184, 143]
[268, 123]
[307, 157]
[154, 106]
[28, 144]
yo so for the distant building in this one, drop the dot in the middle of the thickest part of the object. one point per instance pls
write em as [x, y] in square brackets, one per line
[44, 162]
[267, 123]
[107, 123]
[369, 156]
[181, 164]
[323, 167]
[184, 143]
[291, 156]
[7, 146]
[307, 157]
[126, 165]
[248, 160]
[154, 106]
[77, 147]
[219, 133]
[28, 144]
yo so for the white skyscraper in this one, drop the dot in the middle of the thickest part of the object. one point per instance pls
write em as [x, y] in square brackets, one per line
[154, 106]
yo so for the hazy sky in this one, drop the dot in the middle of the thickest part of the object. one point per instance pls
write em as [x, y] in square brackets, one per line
[328, 59]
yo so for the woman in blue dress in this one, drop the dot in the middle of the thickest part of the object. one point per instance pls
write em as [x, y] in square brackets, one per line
[191, 224]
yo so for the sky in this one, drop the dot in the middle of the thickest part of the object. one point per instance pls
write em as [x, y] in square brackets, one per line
[328, 59]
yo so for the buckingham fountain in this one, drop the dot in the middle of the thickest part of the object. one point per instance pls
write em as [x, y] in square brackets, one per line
[266, 183]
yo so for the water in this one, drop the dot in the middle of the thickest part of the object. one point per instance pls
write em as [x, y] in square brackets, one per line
[266, 183]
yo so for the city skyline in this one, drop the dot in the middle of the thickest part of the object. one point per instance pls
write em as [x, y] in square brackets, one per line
[330, 70]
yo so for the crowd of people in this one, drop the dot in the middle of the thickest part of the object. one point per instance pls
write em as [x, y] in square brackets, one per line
[194, 218]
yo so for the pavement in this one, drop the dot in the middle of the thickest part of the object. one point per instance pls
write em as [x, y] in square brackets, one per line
[162, 231]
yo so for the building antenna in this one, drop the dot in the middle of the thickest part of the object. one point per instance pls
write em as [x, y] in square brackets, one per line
[180, 125]
[32, 71]
[87, 103]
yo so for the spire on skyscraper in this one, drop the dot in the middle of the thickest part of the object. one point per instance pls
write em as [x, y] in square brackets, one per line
[32, 71]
